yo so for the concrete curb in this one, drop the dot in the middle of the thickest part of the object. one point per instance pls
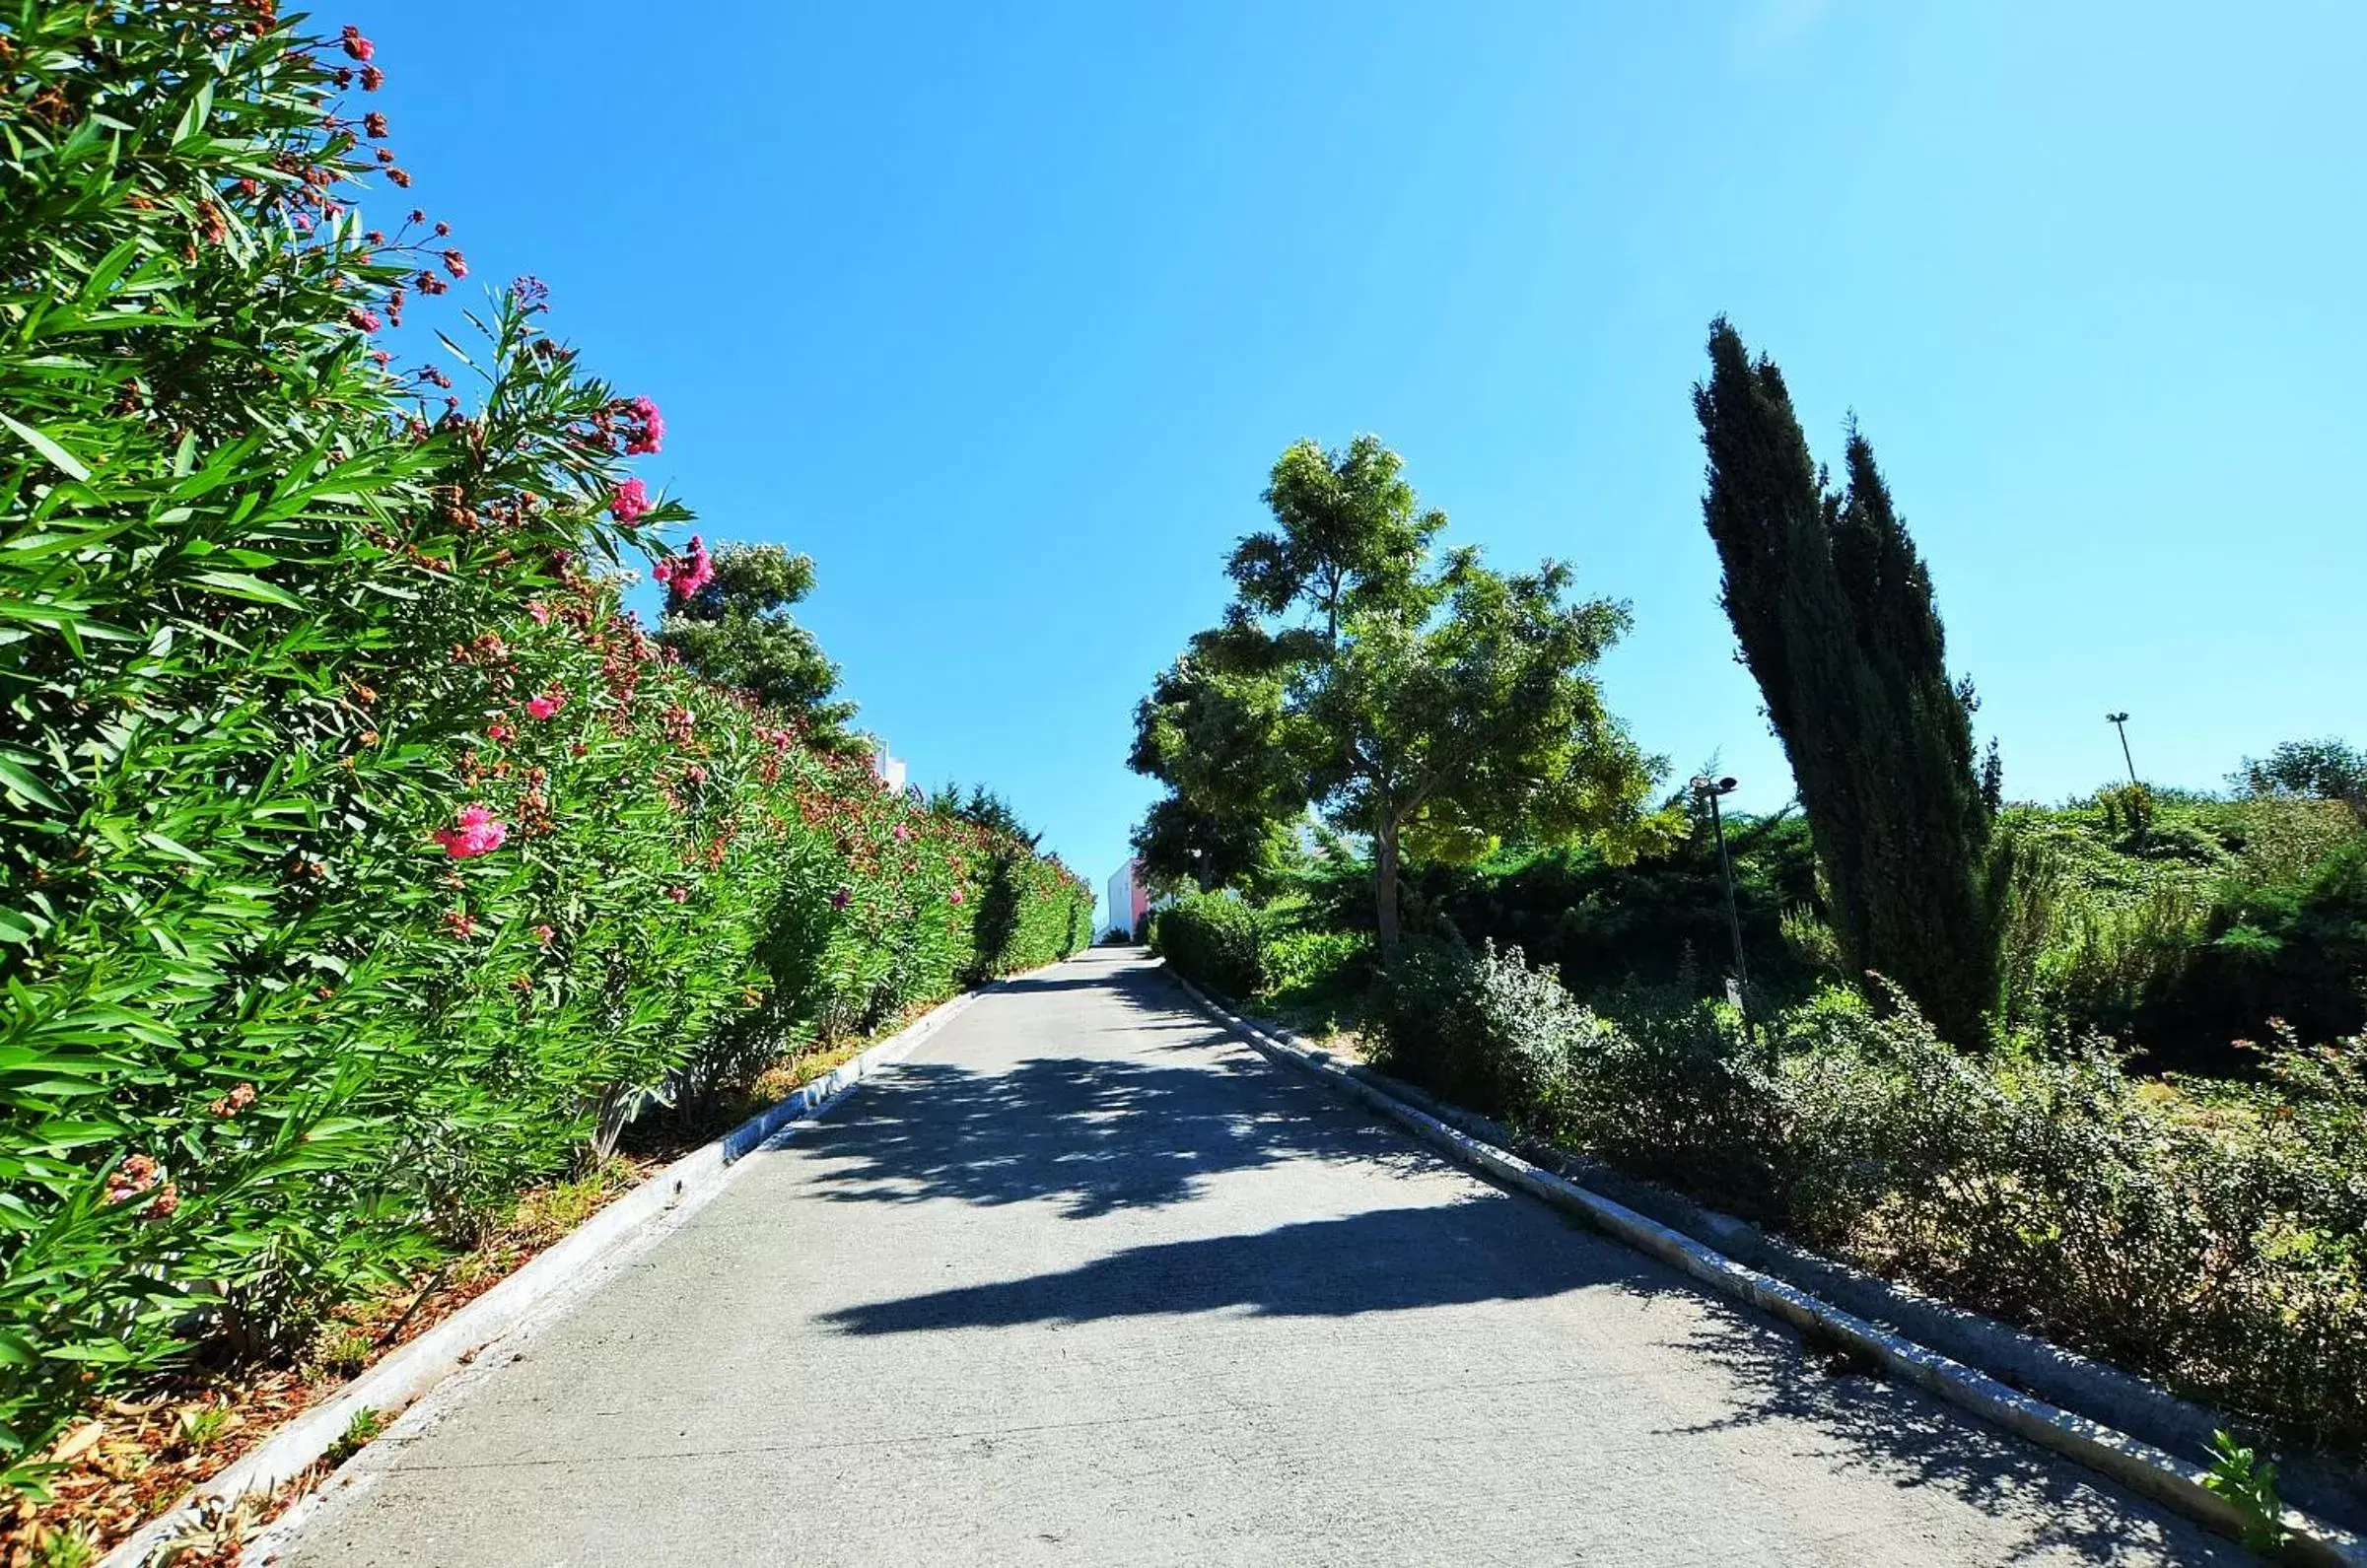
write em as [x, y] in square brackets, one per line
[2140, 1467]
[2102, 1393]
[559, 1275]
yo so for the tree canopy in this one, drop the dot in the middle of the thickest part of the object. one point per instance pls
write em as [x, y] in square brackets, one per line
[1427, 703]
[733, 627]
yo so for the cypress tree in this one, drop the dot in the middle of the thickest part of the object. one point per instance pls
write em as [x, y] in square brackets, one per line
[1834, 610]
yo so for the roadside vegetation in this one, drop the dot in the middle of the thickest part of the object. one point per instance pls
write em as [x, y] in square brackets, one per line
[2097, 1068]
[365, 859]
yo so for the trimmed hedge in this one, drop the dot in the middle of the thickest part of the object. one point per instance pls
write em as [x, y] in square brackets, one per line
[363, 857]
[1217, 939]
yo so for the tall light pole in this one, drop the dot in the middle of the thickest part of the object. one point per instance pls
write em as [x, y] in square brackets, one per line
[1708, 788]
[2120, 721]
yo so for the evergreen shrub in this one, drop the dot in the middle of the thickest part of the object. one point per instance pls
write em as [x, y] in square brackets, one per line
[364, 861]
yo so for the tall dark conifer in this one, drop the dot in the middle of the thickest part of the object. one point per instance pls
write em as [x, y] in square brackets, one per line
[1833, 611]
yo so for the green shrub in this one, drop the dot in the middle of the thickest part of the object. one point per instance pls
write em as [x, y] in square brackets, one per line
[1601, 924]
[1483, 1029]
[1216, 939]
[2221, 917]
[363, 859]
[2220, 1245]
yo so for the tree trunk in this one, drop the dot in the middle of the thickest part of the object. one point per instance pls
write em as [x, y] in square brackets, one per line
[1384, 887]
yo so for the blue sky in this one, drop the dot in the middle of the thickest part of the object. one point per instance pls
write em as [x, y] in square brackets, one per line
[1002, 319]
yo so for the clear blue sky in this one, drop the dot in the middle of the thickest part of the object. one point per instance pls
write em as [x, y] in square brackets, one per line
[1002, 319]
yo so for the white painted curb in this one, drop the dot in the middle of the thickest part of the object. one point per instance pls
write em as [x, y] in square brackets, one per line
[566, 1270]
[2140, 1467]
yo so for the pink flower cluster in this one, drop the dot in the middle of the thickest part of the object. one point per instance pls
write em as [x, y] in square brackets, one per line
[477, 833]
[631, 503]
[686, 574]
[645, 430]
[549, 703]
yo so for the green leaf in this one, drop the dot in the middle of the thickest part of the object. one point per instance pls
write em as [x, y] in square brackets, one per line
[48, 449]
[240, 585]
[21, 782]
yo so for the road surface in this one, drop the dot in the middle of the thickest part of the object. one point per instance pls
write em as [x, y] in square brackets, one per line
[1089, 1282]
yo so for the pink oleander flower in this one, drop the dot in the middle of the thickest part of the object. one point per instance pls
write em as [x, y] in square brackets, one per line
[132, 1178]
[680, 895]
[476, 832]
[689, 572]
[543, 934]
[540, 611]
[453, 262]
[496, 731]
[650, 435]
[549, 703]
[956, 897]
[631, 503]
[373, 79]
[360, 48]
[366, 320]
[902, 833]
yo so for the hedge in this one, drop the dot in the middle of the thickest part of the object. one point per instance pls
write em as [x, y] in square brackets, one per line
[363, 858]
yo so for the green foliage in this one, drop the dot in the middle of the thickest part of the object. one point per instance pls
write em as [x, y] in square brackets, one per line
[1833, 611]
[1213, 734]
[2221, 915]
[2246, 1483]
[2220, 1243]
[362, 1430]
[738, 632]
[1481, 1028]
[1659, 919]
[201, 1426]
[363, 859]
[74, 1546]
[2326, 770]
[1217, 939]
[1433, 706]
[1309, 968]
[984, 808]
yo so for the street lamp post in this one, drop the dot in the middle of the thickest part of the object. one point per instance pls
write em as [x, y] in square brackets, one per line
[1708, 788]
[2120, 721]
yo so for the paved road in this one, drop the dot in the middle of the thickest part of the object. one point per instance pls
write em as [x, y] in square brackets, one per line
[1087, 1281]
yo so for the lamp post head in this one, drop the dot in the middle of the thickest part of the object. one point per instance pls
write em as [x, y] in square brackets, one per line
[1704, 784]
[2116, 718]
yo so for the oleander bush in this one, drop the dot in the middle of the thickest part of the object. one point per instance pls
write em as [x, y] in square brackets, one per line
[365, 860]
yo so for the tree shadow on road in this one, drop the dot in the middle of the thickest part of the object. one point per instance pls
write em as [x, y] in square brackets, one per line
[1865, 1422]
[1092, 1134]
[1387, 1260]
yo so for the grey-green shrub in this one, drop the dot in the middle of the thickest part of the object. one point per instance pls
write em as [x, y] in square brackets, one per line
[2222, 1251]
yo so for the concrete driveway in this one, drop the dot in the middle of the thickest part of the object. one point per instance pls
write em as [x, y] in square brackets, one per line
[1087, 1281]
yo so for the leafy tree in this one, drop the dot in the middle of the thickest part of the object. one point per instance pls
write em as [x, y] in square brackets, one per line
[986, 809]
[733, 627]
[2326, 770]
[1212, 734]
[1834, 610]
[1435, 706]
